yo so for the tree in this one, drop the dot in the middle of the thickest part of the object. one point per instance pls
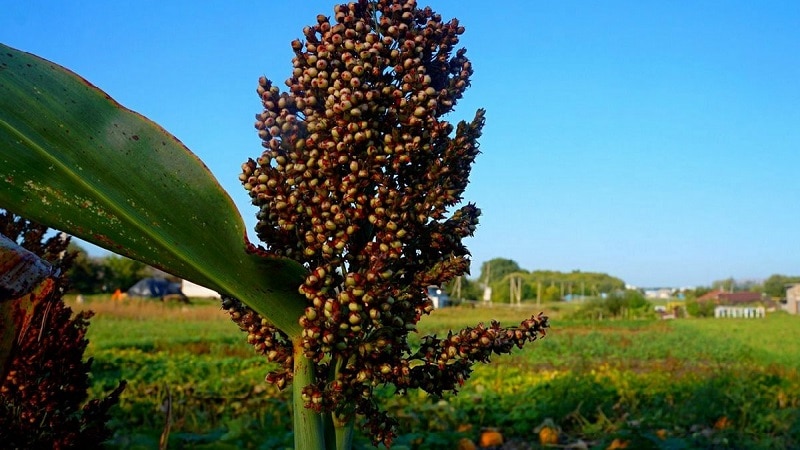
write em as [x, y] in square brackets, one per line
[726, 285]
[470, 289]
[699, 308]
[552, 293]
[123, 272]
[496, 269]
[775, 286]
[621, 304]
[84, 275]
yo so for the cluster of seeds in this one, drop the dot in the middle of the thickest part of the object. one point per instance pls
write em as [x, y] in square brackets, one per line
[358, 173]
[43, 395]
[265, 338]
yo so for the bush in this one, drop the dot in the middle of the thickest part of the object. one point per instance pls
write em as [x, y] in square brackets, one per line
[627, 304]
[699, 309]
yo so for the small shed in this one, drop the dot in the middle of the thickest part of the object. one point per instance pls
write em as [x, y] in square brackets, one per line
[154, 287]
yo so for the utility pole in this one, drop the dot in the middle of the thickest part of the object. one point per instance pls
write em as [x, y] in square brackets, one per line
[457, 288]
[515, 290]
[539, 293]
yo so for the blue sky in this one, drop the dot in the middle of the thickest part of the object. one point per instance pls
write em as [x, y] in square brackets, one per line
[658, 142]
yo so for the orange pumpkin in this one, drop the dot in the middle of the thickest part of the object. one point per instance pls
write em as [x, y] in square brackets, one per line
[722, 423]
[548, 436]
[466, 444]
[490, 438]
[617, 443]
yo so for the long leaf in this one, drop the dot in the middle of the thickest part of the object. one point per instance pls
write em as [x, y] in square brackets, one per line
[74, 159]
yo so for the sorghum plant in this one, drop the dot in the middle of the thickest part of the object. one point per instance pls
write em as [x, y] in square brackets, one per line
[358, 190]
[359, 171]
[43, 397]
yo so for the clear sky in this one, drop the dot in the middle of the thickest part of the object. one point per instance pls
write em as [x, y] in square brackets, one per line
[658, 142]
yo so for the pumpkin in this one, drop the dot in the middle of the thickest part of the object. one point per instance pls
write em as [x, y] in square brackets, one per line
[617, 443]
[466, 444]
[548, 432]
[548, 436]
[490, 438]
[722, 423]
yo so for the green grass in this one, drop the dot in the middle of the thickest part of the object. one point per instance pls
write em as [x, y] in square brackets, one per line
[722, 383]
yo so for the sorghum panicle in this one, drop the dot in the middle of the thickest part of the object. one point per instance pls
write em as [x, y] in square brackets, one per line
[357, 176]
[43, 397]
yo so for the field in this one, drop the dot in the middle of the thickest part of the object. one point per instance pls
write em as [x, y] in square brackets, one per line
[693, 383]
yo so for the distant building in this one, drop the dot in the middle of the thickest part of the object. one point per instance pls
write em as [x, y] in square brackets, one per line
[195, 290]
[792, 305]
[731, 298]
[739, 312]
[438, 296]
[738, 304]
[659, 293]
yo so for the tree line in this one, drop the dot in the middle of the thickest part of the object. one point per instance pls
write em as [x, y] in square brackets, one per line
[501, 275]
[96, 275]
[93, 275]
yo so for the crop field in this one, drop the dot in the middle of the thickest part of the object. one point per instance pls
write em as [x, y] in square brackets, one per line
[692, 383]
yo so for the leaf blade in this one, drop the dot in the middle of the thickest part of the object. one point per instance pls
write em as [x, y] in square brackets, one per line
[74, 159]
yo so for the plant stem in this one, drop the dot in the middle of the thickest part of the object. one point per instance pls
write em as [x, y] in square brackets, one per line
[309, 433]
[339, 427]
[344, 433]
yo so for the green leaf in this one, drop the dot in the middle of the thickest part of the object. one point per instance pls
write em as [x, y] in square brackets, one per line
[74, 159]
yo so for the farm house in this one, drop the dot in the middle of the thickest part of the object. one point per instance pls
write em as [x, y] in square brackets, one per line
[738, 304]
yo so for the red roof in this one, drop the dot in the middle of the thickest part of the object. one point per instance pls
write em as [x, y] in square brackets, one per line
[731, 298]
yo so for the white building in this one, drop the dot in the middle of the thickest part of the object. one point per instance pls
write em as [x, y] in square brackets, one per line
[190, 289]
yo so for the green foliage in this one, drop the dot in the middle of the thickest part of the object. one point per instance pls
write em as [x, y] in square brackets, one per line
[597, 380]
[551, 293]
[496, 269]
[68, 151]
[696, 293]
[470, 289]
[124, 272]
[501, 289]
[727, 285]
[626, 304]
[699, 309]
[579, 283]
[85, 276]
[97, 275]
[555, 285]
[775, 285]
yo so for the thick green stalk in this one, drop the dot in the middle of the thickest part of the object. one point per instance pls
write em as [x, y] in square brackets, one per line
[309, 433]
[338, 428]
[344, 433]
